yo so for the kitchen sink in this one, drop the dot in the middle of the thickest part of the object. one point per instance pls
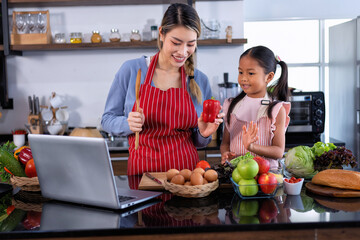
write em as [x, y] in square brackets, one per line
[117, 143]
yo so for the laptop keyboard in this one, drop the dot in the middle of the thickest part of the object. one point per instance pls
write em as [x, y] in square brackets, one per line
[125, 198]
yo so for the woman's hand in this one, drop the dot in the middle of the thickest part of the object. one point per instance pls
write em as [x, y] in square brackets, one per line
[207, 128]
[136, 120]
[226, 156]
[249, 136]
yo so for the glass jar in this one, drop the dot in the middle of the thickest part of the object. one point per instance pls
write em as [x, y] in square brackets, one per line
[135, 35]
[59, 38]
[96, 38]
[114, 35]
[75, 37]
[154, 32]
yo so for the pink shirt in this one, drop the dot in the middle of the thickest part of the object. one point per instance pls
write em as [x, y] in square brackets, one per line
[250, 109]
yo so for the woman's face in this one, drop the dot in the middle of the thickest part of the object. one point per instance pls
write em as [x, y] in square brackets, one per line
[252, 78]
[178, 45]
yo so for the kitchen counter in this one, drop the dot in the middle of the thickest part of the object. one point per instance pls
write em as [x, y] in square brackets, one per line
[220, 215]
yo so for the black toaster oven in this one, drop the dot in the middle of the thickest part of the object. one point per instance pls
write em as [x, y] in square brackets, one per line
[307, 117]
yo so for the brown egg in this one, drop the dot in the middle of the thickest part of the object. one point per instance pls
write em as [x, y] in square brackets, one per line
[211, 175]
[178, 179]
[186, 174]
[196, 179]
[199, 170]
[205, 181]
[188, 183]
[171, 173]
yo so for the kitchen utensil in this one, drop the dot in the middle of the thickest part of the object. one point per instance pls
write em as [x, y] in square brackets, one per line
[153, 178]
[55, 128]
[46, 114]
[33, 103]
[37, 105]
[227, 89]
[330, 191]
[86, 132]
[62, 115]
[30, 105]
[137, 91]
[147, 184]
[56, 100]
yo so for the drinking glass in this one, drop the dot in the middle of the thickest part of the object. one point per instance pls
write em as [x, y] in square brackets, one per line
[31, 22]
[41, 22]
[20, 22]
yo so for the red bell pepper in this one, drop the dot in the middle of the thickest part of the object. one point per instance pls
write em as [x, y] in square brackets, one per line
[25, 155]
[211, 109]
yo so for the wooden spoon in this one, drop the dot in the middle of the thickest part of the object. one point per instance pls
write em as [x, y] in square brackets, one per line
[137, 90]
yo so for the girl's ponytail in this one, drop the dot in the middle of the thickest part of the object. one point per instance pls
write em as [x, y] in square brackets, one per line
[279, 91]
[193, 86]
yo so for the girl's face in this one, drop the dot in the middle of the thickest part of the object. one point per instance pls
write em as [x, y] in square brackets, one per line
[178, 45]
[252, 77]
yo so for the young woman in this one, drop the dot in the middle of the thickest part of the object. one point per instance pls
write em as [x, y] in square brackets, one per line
[169, 122]
[256, 120]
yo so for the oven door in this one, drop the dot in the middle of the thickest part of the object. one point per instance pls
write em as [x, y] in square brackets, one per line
[300, 114]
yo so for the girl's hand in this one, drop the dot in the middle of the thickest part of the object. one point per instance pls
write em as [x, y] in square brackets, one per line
[249, 136]
[136, 120]
[206, 128]
[227, 156]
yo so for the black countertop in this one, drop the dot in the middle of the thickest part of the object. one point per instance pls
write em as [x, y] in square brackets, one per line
[221, 212]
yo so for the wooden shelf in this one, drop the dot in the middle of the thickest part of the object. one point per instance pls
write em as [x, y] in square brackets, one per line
[50, 3]
[118, 45]
[40, 3]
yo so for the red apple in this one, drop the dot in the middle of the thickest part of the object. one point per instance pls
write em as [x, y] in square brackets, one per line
[267, 182]
[268, 211]
[264, 165]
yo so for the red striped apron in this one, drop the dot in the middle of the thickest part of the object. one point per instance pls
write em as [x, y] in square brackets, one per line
[165, 141]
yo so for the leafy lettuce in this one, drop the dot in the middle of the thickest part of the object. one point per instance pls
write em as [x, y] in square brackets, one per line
[300, 162]
[319, 148]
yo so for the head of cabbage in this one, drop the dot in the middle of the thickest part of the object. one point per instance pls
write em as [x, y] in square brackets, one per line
[300, 162]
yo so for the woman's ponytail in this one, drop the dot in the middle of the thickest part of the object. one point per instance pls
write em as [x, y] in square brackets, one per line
[193, 86]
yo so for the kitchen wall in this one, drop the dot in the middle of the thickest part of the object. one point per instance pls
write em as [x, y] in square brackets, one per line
[84, 76]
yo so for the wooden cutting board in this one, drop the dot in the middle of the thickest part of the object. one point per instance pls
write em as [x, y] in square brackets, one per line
[148, 184]
[330, 191]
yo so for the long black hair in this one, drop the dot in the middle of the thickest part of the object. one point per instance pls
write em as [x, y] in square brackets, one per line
[278, 91]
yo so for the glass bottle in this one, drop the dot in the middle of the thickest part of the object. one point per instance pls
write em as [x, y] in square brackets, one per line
[114, 35]
[75, 37]
[59, 38]
[154, 32]
[96, 38]
[135, 35]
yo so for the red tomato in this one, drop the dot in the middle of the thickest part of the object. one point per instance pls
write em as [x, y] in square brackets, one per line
[30, 170]
[10, 209]
[203, 164]
[267, 182]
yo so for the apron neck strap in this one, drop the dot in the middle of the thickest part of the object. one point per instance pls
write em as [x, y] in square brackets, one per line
[151, 70]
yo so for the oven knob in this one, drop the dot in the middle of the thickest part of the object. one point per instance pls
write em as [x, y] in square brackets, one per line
[318, 102]
[318, 112]
[318, 123]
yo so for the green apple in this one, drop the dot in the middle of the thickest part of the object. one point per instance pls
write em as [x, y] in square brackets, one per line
[249, 220]
[248, 187]
[248, 168]
[248, 207]
[236, 176]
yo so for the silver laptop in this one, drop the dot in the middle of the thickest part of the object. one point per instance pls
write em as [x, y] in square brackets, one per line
[64, 216]
[79, 170]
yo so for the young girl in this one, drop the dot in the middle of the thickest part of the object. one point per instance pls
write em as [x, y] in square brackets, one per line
[256, 120]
